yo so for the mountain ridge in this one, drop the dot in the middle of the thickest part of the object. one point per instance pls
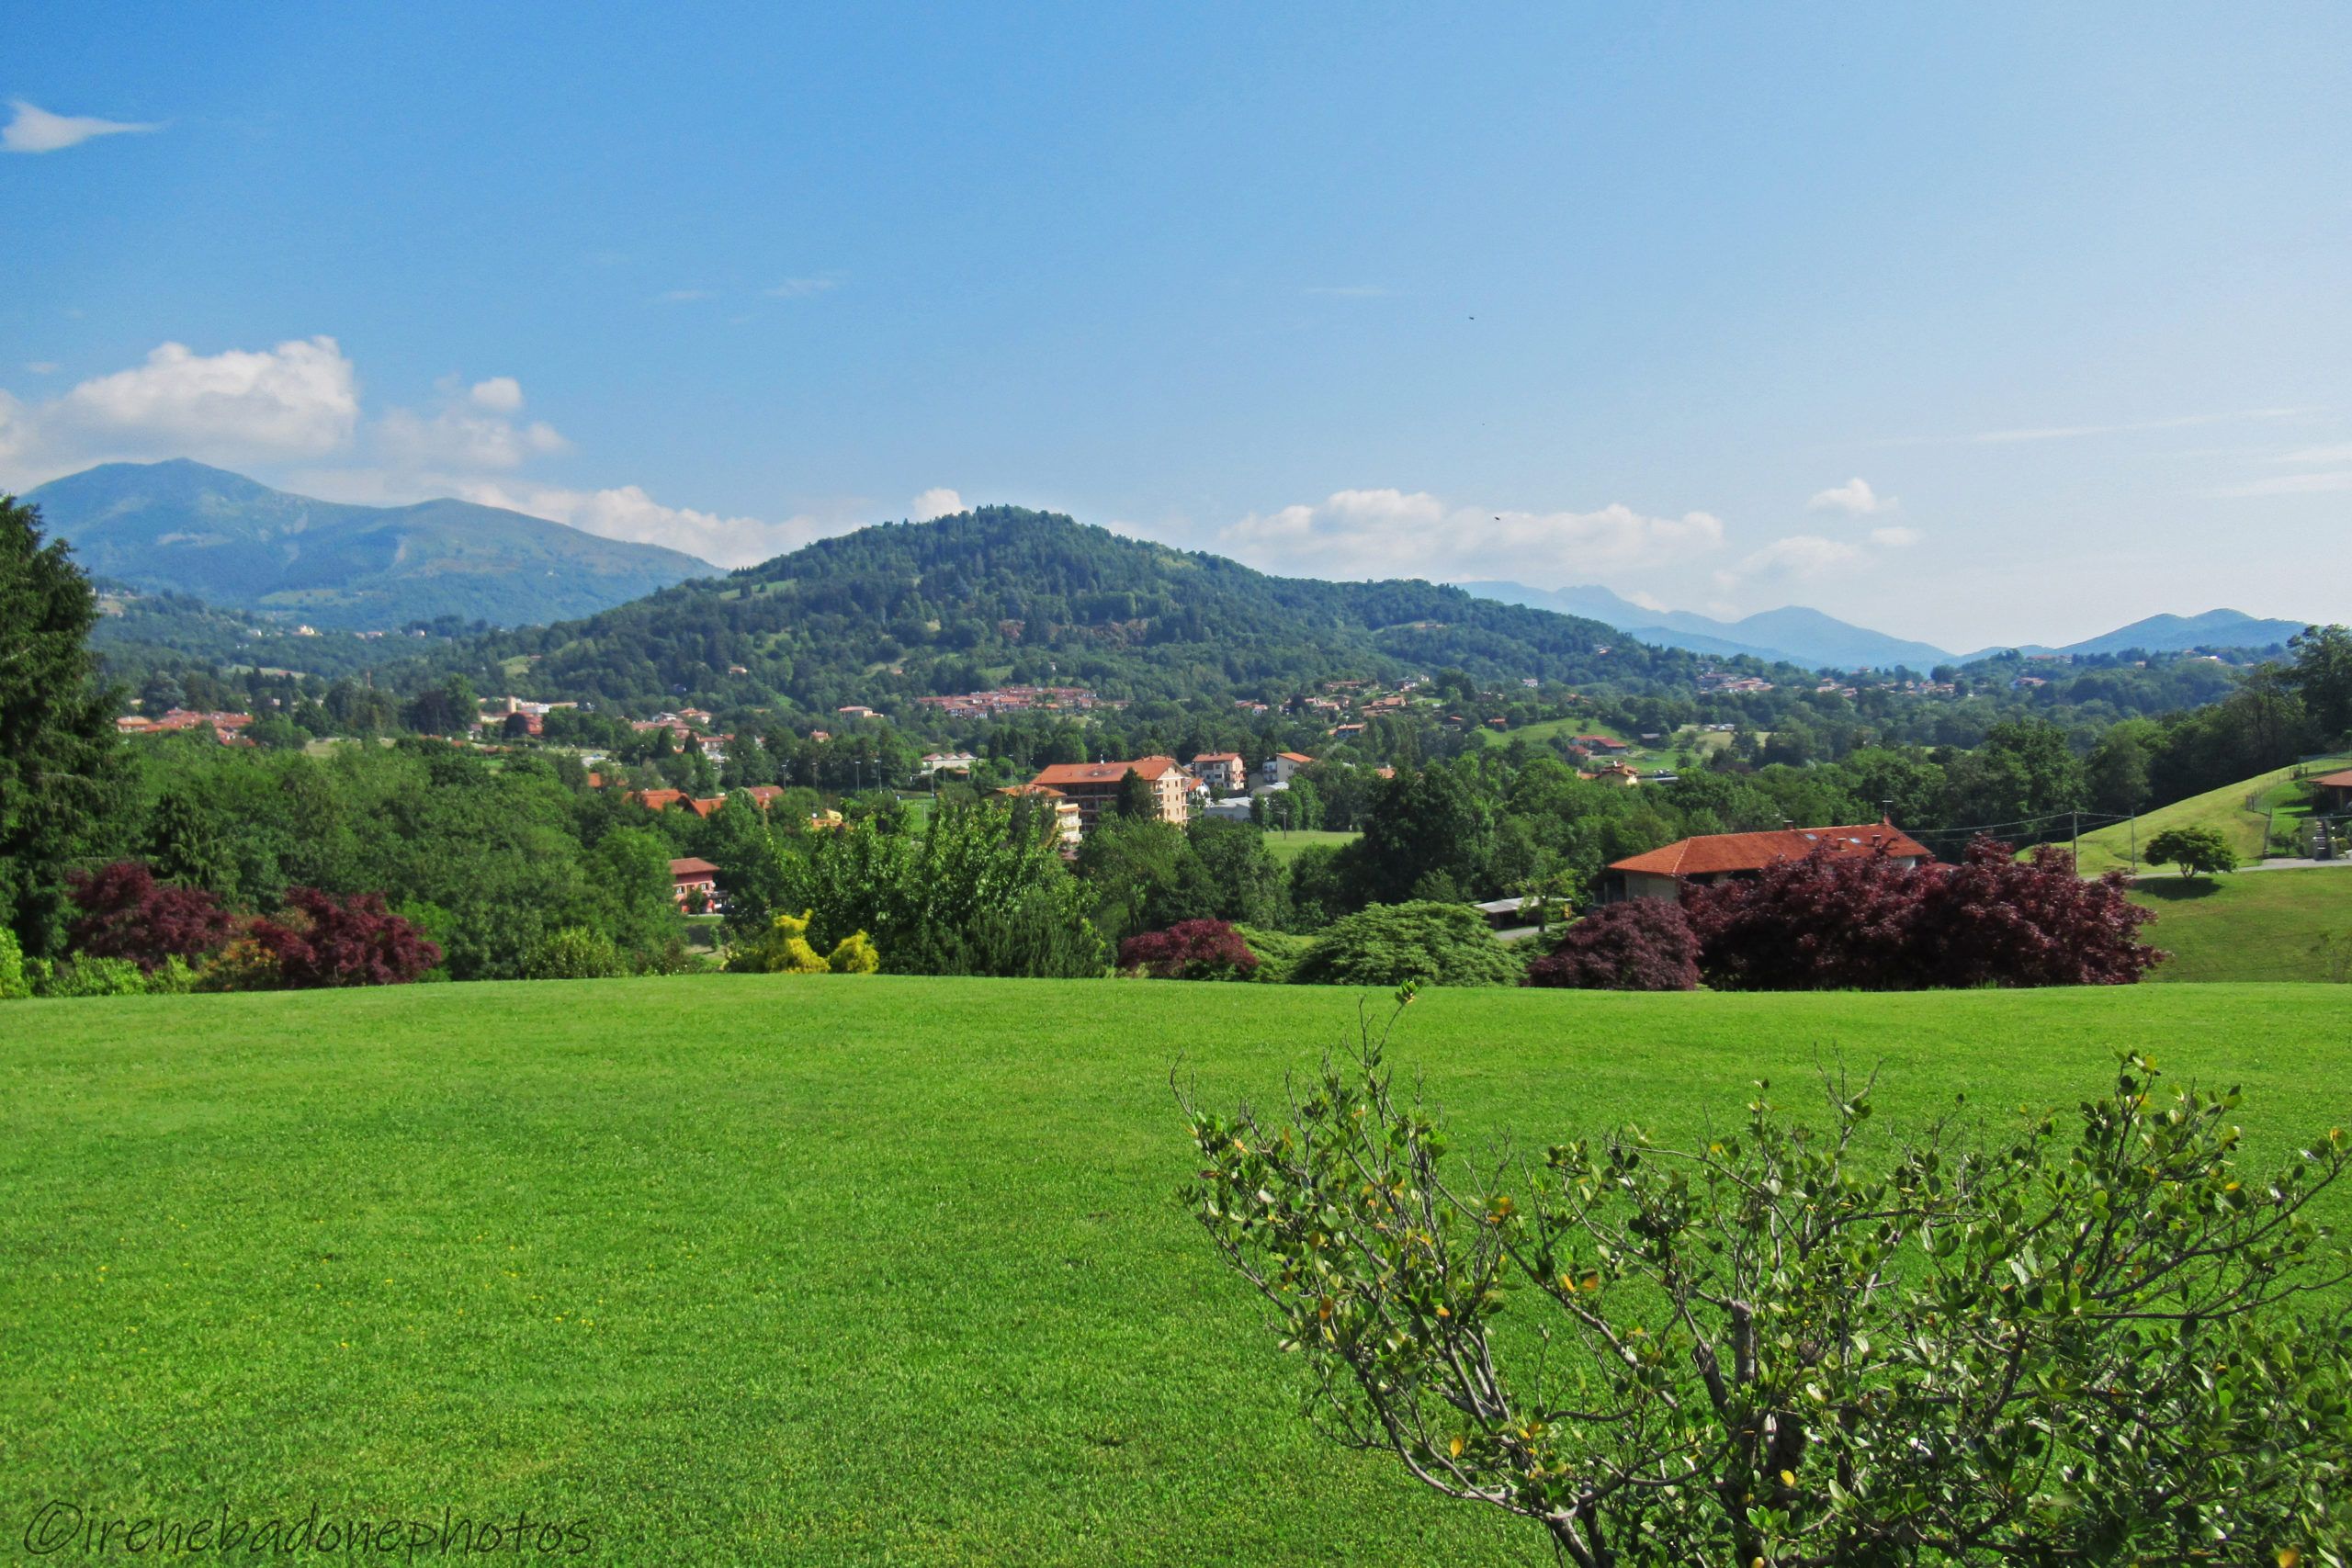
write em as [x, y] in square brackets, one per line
[1813, 640]
[182, 527]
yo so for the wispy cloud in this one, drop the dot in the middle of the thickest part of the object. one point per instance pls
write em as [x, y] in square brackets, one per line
[1897, 538]
[41, 366]
[801, 288]
[35, 129]
[2078, 431]
[2326, 482]
[2339, 452]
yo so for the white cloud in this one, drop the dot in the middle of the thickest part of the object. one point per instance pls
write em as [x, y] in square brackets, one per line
[37, 131]
[2326, 482]
[41, 366]
[2340, 453]
[1854, 497]
[1895, 538]
[1799, 555]
[468, 434]
[500, 393]
[1390, 533]
[1647, 601]
[939, 502]
[298, 400]
[801, 288]
[628, 513]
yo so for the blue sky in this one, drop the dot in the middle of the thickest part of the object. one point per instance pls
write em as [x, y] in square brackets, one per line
[1973, 323]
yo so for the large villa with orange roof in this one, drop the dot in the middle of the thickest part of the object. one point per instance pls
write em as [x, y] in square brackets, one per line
[1094, 786]
[1719, 857]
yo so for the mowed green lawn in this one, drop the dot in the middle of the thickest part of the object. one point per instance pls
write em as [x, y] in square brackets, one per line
[1285, 847]
[2263, 925]
[824, 1271]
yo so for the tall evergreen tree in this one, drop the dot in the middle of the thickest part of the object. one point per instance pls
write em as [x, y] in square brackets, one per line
[59, 764]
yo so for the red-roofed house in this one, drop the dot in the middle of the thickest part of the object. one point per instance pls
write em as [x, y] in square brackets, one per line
[1095, 786]
[690, 876]
[1278, 768]
[1221, 771]
[1720, 857]
[2335, 790]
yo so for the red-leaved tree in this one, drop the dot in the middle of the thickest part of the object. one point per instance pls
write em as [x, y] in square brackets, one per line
[1996, 920]
[324, 940]
[1832, 921]
[126, 913]
[1189, 950]
[1637, 944]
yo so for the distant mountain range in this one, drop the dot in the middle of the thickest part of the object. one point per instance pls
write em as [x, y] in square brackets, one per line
[1798, 636]
[182, 527]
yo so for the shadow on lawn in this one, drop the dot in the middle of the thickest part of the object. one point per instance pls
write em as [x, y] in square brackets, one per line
[2178, 889]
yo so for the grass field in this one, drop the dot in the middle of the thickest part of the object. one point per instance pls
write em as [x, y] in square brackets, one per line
[2255, 926]
[1284, 846]
[2225, 808]
[751, 1269]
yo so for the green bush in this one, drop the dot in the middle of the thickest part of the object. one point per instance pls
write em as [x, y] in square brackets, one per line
[173, 977]
[1279, 952]
[88, 977]
[14, 985]
[574, 953]
[1387, 944]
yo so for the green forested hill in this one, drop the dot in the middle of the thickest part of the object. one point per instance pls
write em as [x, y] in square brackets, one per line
[181, 527]
[907, 609]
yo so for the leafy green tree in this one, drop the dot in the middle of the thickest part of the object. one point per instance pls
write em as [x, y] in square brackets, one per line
[449, 708]
[2024, 770]
[1387, 944]
[1427, 820]
[59, 769]
[2115, 774]
[1134, 802]
[1144, 875]
[1245, 882]
[1798, 1345]
[2321, 677]
[2198, 851]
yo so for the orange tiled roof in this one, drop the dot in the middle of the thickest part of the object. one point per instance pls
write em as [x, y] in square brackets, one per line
[1712, 854]
[692, 866]
[1147, 768]
[2336, 780]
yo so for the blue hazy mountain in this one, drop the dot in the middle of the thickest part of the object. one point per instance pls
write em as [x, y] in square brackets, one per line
[182, 527]
[1793, 634]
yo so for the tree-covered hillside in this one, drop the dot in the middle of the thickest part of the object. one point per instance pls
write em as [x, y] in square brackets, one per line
[182, 527]
[1006, 595]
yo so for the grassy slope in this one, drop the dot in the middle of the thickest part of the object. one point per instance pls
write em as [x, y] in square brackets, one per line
[756, 1270]
[2258, 926]
[2225, 808]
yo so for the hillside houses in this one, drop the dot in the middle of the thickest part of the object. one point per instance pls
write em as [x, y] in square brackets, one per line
[227, 727]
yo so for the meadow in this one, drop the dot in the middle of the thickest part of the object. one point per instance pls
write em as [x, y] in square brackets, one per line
[2263, 925]
[1285, 845]
[747, 1268]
